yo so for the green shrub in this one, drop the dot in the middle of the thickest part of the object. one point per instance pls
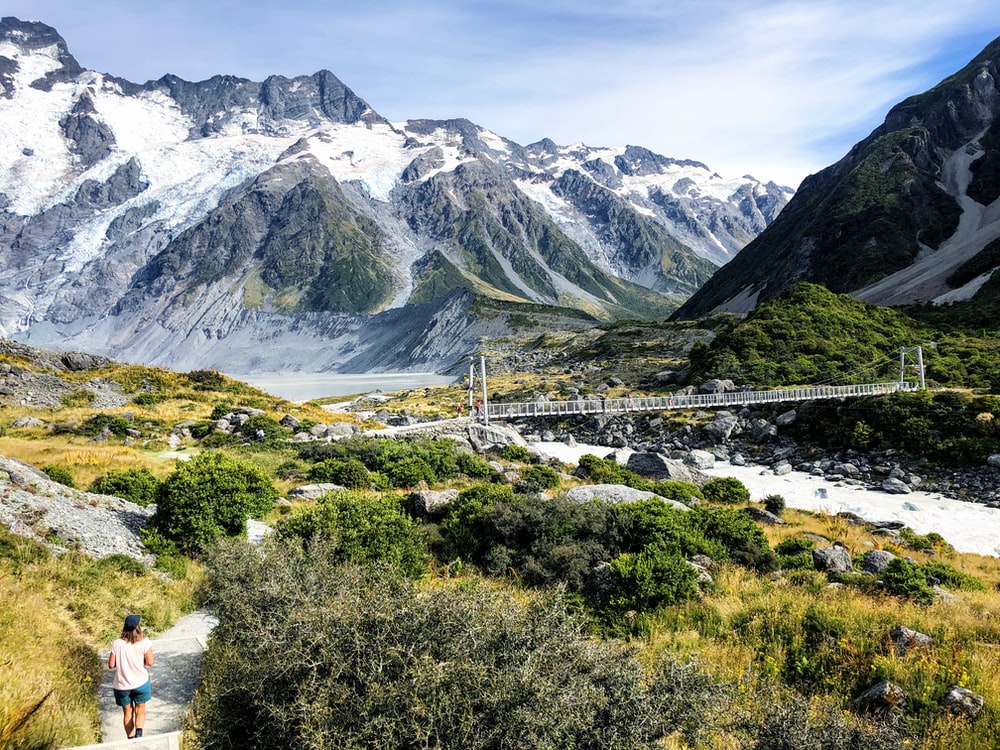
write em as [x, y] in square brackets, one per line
[210, 496]
[602, 470]
[540, 477]
[290, 469]
[774, 504]
[147, 399]
[473, 466]
[59, 473]
[99, 423]
[369, 660]
[262, 423]
[353, 475]
[515, 452]
[651, 579]
[459, 524]
[951, 578]
[794, 545]
[221, 409]
[682, 492]
[410, 471]
[361, 528]
[206, 380]
[169, 558]
[728, 490]
[903, 578]
[742, 540]
[137, 485]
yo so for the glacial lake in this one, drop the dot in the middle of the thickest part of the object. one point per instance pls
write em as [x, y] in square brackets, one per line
[307, 386]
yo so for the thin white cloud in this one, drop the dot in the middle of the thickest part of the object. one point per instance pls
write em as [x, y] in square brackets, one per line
[774, 88]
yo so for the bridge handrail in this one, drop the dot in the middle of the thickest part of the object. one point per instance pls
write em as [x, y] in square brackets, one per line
[592, 405]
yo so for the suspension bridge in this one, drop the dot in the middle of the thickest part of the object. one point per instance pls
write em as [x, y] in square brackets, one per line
[486, 411]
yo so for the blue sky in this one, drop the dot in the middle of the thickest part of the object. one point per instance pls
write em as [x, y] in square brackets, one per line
[773, 88]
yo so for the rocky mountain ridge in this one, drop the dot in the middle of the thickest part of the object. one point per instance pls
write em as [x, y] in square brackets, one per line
[910, 215]
[199, 224]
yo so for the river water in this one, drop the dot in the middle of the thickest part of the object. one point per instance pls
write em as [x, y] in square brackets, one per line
[308, 386]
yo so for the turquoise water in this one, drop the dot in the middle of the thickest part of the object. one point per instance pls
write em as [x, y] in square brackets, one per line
[307, 386]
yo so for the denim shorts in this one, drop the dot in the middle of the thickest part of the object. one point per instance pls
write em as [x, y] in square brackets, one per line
[140, 694]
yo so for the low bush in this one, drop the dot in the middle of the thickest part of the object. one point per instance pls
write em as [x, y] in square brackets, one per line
[774, 504]
[473, 466]
[728, 490]
[514, 452]
[501, 670]
[654, 577]
[60, 473]
[137, 485]
[100, 423]
[540, 478]
[361, 528]
[905, 579]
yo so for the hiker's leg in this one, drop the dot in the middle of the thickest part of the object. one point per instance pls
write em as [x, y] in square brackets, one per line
[140, 716]
[128, 719]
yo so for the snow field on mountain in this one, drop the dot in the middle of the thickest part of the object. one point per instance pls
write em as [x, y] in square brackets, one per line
[30, 120]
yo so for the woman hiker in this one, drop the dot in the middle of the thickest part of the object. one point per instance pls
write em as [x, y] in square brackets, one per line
[130, 654]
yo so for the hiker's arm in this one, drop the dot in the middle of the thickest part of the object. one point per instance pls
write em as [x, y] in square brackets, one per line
[148, 659]
[111, 660]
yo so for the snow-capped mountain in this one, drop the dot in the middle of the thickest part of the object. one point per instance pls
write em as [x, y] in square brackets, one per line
[187, 224]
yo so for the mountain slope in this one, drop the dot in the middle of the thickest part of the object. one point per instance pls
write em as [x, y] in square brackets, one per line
[158, 221]
[897, 219]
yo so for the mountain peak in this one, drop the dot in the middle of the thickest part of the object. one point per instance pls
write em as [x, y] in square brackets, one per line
[22, 40]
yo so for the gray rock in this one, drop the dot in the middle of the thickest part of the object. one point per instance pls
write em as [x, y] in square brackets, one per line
[994, 460]
[723, 426]
[314, 491]
[761, 515]
[428, 504]
[289, 423]
[717, 386]
[882, 699]
[835, 559]
[876, 561]
[787, 418]
[782, 468]
[895, 486]
[845, 469]
[28, 422]
[658, 466]
[616, 493]
[700, 459]
[963, 702]
[903, 640]
[318, 430]
[339, 430]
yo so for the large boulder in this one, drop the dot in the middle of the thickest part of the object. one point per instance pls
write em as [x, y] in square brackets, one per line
[658, 466]
[616, 493]
[717, 386]
[835, 559]
[876, 561]
[761, 515]
[723, 426]
[700, 459]
[895, 486]
[428, 504]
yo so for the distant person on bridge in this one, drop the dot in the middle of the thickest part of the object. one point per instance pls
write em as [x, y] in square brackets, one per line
[131, 654]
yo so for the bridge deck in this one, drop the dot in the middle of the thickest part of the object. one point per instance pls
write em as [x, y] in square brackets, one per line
[594, 405]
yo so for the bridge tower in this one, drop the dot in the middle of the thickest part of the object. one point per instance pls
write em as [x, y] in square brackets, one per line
[485, 414]
[914, 356]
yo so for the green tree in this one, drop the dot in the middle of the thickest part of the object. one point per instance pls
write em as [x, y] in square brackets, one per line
[208, 497]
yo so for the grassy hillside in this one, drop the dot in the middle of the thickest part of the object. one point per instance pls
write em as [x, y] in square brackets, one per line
[770, 653]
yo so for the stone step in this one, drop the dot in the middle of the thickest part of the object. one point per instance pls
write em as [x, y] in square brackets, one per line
[164, 741]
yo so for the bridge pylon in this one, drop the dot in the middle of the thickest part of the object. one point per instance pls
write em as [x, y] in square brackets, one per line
[913, 356]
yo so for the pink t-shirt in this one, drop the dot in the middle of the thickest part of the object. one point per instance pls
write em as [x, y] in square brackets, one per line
[130, 666]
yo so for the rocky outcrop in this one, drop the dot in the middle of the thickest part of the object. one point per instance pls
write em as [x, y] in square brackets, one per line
[616, 493]
[65, 519]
